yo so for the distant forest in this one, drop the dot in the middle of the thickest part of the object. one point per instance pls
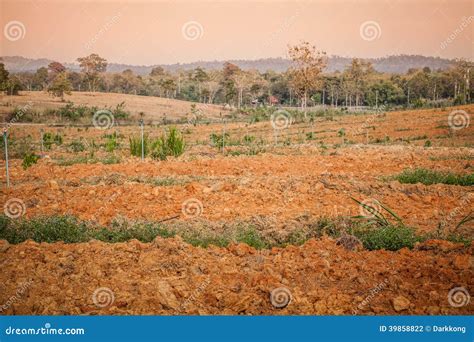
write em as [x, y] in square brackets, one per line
[409, 81]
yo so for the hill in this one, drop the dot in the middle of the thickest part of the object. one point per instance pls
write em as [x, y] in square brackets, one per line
[391, 64]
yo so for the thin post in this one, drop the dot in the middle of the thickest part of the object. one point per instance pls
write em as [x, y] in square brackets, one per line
[223, 136]
[143, 139]
[42, 143]
[5, 140]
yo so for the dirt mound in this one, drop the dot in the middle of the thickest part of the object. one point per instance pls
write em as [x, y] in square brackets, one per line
[169, 276]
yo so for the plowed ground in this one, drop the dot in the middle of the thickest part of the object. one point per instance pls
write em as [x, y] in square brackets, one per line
[283, 183]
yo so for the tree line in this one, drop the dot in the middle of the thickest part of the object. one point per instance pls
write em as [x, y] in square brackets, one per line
[304, 84]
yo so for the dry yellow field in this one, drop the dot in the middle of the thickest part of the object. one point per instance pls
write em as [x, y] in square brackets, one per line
[154, 108]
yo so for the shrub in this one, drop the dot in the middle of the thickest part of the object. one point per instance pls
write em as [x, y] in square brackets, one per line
[29, 159]
[384, 232]
[248, 139]
[111, 143]
[58, 139]
[119, 111]
[218, 140]
[48, 140]
[77, 146]
[169, 144]
[136, 145]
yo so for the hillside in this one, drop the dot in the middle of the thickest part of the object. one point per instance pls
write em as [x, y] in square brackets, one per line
[392, 64]
[154, 108]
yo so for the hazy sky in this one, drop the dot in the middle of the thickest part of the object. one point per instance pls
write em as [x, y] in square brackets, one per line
[155, 32]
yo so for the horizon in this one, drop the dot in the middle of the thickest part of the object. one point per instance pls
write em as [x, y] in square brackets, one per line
[164, 33]
[231, 59]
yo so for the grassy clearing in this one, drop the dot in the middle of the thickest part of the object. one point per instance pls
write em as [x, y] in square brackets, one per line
[71, 230]
[428, 177]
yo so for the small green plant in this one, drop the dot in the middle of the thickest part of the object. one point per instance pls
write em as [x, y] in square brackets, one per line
[111, 144]
[47, 140]
[77, 146]
[169, 144]
[428, 177]
[427, 143]
[58, 139]
[384, 232]
[136, 146]
[219, 140]
[29, 159]
[391, 238]
[251, 237]
[248, 139]
[377, 217]
[341, 132]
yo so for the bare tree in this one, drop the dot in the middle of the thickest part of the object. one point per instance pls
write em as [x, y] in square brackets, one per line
[308, 64]
[92, 66]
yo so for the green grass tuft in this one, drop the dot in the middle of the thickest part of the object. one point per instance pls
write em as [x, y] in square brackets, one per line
[429, 177]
